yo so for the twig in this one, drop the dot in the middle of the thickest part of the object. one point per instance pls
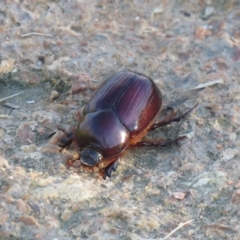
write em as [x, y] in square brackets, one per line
[36, 34]
[69, 30]
[5, 117]
[208, 84]
[14, 95]
[11, 105]
[177, 228]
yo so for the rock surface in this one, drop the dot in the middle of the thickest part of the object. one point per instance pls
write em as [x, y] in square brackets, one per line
[53, 49]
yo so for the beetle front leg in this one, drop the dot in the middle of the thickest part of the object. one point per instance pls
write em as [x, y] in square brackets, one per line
[111, 165]
[109, 169]
[171, 118]
[159, 143]
[66, 141]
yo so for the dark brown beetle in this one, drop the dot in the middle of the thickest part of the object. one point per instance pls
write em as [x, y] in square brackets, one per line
[119, 115]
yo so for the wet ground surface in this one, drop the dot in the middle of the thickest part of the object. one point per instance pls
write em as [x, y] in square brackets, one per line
[49, 49]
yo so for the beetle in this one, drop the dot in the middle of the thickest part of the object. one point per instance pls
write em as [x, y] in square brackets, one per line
[118, 116]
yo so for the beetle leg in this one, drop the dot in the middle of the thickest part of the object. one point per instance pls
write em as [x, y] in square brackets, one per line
[110, 168]
[171, 118]
[169, 115]
[178, 118]
[67, 141]
[50, 135]
[159, 143]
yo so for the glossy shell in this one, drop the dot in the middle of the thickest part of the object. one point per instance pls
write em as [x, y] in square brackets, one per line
[122, 108]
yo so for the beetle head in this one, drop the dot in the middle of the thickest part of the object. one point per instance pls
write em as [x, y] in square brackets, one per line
[90, 157]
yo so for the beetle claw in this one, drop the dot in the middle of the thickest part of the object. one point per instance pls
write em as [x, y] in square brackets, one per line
[108, 170]
[50, 135]
[66, 142]
[115, 165]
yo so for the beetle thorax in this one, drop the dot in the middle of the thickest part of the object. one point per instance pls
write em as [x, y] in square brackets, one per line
[103, 132]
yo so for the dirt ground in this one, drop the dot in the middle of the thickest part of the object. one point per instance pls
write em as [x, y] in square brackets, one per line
[51, 49]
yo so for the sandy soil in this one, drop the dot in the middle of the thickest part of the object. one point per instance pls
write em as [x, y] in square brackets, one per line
[51, 48]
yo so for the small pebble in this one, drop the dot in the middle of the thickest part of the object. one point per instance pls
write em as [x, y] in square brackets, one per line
[28, 220]
[179, 195]
[54, 95]
[21, 206]
[208, 12]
